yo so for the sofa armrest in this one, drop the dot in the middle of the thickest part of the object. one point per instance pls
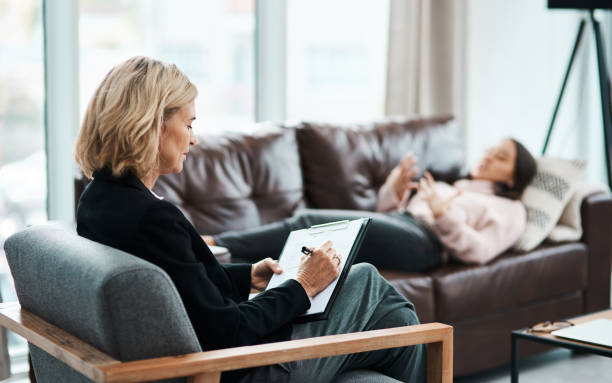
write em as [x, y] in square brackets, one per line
[207, 366]
[596, 214]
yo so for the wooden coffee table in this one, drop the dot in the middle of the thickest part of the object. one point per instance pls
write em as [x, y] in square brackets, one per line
[556, 341]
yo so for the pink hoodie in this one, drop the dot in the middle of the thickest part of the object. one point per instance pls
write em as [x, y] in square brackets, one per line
[479, 225]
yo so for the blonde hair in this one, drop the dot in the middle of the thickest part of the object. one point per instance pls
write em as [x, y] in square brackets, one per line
[123, 121]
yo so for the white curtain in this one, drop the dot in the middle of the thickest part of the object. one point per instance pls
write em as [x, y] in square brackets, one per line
[426, 58]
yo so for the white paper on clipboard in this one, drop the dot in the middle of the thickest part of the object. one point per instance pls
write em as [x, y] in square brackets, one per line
[342, 234]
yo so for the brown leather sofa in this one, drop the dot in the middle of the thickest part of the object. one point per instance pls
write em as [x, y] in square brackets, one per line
[239, 180]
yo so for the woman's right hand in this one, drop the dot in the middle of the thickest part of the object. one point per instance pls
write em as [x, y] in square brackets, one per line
[318, 269]
[438, 205]
[401, 176]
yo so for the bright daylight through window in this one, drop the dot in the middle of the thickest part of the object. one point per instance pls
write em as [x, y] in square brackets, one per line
[22, 135]
[336, 64]
[23, 188]
[211, 41]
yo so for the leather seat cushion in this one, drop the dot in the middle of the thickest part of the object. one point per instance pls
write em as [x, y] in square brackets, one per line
[512, 280]
[418, 288]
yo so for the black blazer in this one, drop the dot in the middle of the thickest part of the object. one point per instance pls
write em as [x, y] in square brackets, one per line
[124, 214]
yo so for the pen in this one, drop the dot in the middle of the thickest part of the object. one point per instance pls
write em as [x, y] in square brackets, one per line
[306, 250]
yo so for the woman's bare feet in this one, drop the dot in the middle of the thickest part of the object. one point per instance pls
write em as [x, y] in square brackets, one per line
[210, 241]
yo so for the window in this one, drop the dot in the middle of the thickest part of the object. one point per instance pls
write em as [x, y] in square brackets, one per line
[336, 59]
[211, 41]
[23, 187]
[22, 134]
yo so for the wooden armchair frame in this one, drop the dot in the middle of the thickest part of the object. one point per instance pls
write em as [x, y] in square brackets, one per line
[206, 367]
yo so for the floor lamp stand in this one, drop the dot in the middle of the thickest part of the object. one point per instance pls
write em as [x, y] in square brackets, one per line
[604, 86]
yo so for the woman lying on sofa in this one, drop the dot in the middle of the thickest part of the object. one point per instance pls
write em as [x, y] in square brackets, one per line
[419, 224]
[138, 126]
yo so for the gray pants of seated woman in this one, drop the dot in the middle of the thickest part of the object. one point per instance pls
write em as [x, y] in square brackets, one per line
[393, 241]
[366, 302]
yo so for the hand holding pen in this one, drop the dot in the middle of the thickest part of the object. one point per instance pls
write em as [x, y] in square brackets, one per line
[318, 268]
[309, 251]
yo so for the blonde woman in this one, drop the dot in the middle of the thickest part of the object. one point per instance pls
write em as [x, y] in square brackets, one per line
[137, 127]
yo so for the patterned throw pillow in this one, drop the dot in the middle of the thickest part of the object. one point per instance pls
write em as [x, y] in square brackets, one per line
[546, 197]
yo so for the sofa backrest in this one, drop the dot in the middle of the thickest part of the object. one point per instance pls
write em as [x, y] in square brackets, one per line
[118, 303]
[344, 166]
[238, 180]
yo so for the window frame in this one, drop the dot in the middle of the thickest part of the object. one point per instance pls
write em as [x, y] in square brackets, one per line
[61, 63]
[270, 60]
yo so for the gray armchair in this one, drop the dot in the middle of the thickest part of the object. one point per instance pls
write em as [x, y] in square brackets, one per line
[87, 309]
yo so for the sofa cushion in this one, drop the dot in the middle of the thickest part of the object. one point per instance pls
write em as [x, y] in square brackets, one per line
[236, 181]
[345, 165]
[417, 288]
[463, 291]
[545, 198]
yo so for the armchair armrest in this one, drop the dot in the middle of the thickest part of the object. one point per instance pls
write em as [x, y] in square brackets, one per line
[206, 367]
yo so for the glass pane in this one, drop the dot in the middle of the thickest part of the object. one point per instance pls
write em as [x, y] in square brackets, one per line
[211, 41]
[336, 59]
[23, 173]
[22, 135]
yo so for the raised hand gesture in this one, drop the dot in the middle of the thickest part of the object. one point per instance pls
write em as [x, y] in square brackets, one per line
[401, 176]
[437, 204]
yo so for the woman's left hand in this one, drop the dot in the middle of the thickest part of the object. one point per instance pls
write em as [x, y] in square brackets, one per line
[438, 205]
[401, 176]
[262, 271]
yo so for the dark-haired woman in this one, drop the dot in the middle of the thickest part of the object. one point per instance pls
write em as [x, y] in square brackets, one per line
[473, 220]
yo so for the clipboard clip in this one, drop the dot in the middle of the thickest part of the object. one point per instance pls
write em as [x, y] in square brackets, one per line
[338, 225]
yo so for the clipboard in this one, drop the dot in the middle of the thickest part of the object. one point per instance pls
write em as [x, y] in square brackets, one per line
[346, 236]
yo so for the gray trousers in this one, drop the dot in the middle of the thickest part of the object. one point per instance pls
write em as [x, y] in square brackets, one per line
[395, 241]
[365, 302]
